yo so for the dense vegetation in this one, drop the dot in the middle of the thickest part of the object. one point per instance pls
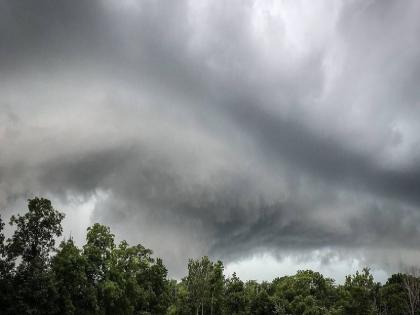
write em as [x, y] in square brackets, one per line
[107, 278]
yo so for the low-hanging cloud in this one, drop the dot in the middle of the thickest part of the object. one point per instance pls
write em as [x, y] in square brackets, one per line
[219, 128]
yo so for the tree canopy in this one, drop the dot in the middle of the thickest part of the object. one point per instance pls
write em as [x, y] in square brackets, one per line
[102, 277]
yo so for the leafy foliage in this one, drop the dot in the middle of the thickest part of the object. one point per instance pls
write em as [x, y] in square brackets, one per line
[104, 278]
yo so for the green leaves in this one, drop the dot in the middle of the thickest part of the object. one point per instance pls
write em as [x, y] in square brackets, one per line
[36, 230]
[127, 279]
[104, 278]
[204, 283]
[360, 293]
[30, 247]
[235, 299]
[76, 295]
[101, 278]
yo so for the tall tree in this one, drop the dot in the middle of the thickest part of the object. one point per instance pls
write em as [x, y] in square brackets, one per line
[411, 284]
[235, 301]
[98, 251]
[31, 245]
[394, 300]
[127, 279]
[216, 286]
[205, 282]
[6, 275]
[360, 294]
[197, 282]
[36, 230]
[306, 291]
[75, 294]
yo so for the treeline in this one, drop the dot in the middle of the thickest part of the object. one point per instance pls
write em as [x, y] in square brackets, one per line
[102, 277]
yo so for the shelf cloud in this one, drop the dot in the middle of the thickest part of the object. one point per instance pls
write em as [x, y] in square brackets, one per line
[222, 129]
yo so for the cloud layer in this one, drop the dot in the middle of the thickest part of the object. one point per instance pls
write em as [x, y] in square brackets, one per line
[219, 128]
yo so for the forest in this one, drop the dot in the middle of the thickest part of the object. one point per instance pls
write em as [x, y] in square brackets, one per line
[38, 276]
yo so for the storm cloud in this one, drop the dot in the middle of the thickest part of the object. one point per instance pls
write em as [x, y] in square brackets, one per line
[222, 129]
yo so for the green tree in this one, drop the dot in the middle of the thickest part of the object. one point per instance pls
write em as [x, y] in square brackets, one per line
[235, 300]
[153, 281]
[182, 302]
[261, 303]
[6, 276]
[31, 244]
[304, 293]
[104, 278]
[216, 286]
[393, 296]
[359, 295]
[197, 282]
[98, 251]
[205, 282]
[76, 294]
[411, 284]
[127, 279]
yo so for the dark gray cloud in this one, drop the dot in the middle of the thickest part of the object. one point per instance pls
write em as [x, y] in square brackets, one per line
[221, 129]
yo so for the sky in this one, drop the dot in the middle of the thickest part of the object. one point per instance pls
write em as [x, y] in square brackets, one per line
[274, 135]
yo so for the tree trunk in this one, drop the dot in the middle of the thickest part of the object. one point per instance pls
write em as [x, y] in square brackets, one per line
[412, 286]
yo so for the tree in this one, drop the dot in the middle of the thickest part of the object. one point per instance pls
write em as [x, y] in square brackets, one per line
[31, 244]
[235, 301]
[305, 292]
[3, 257]
[261, 303]
[411, 284]
[98, 251]
[6, 276]
[394, 300]
[182, 302]
[359, 294]
[36, 230]
[104, 278]
[75, 294]
[217, 281]
[157, 287]
[204, 283]
[197, 279]
[127, 279]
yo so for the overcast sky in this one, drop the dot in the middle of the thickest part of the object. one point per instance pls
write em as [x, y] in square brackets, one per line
[269, 134]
